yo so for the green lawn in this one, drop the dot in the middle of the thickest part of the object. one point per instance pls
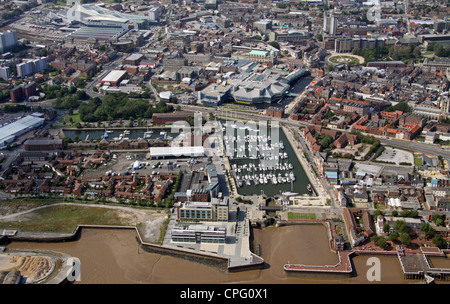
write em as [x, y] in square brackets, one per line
[301, 216]
[418, 160]
[341, 59]
[71, 119]
[65, 219]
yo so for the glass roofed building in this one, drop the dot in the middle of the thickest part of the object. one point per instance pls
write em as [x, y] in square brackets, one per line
[258, 88]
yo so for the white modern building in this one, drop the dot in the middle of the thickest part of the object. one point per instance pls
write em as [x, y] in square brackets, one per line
[198, 234]
[98, 16]
[162, 152]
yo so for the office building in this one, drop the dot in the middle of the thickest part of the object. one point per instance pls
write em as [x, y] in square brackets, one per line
[198, 234]
[154, 13]
[329, 23]
[214, 211]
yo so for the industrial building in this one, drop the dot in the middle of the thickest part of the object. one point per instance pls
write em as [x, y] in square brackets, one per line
[9, 132]
[98, 33]
[113, 78]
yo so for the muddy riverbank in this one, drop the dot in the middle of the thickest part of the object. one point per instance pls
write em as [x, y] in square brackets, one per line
[115, 256]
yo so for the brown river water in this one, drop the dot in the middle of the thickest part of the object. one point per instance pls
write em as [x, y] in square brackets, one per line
[115, 257]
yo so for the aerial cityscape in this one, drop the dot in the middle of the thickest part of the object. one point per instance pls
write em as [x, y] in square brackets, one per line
[245, 141]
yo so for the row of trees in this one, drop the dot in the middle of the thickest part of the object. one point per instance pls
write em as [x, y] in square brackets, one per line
[399, 52]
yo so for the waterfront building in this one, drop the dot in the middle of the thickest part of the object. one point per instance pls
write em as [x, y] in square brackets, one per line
[198, 234]
[165, 118]
[214, 211]
[43, 144]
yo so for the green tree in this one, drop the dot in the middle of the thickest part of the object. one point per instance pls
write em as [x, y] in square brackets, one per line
[401, 227]
[386, 228]
[393, 236]
[382, 242]
[439, 241]
[405, 238]
[275, 44]
[427, 230]
[437, 219]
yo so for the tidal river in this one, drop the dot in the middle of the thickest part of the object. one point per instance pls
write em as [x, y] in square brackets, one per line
[115, 257]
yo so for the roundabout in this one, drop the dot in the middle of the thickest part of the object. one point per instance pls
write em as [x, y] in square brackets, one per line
[349, 59]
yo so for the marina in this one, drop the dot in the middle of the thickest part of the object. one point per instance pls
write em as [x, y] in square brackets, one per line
[119, 134]
[256, 163]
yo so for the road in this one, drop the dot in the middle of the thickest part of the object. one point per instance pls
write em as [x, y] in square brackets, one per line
[410, 145]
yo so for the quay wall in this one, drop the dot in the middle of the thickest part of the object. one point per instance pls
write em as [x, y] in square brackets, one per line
[211, 260]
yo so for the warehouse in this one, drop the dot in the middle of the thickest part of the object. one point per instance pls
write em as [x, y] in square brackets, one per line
[43, 144]
[10, 132]
[114, 77]
[168, 118]
[163, 152]
[98, 33]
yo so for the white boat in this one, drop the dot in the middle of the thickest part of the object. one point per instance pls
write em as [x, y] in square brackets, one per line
[289, 193]
[292, 176]
[148, 134]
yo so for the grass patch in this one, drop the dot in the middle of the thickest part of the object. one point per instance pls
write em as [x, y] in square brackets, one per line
[301, 216]
[65, 219]
[418, 161]
[342, 59]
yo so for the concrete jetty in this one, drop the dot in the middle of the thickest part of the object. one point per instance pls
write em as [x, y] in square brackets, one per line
[342, 268]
